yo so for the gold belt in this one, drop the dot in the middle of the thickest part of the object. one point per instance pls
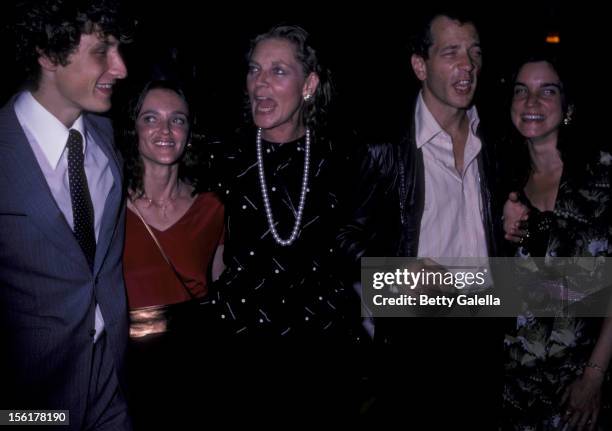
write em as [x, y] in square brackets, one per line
[149, 320]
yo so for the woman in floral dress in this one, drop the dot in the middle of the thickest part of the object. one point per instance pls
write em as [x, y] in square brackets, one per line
[556, 366]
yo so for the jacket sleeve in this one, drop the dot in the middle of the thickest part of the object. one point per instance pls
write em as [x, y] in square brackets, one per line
[370, 182]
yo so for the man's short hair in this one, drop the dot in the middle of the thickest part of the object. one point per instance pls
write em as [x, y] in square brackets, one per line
[422, 39]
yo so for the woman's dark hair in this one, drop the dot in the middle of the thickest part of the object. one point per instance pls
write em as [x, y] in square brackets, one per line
[54, 28]
[553, 57]
[315, 111]
[128, 140]
[517, 154]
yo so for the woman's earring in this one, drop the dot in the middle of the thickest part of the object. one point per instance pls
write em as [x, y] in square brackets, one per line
[308, 97]
[567, 119]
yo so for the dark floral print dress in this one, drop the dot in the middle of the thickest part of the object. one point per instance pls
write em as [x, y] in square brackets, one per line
[546, 354]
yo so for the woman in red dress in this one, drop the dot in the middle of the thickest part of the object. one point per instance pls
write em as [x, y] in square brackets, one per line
[173, 248]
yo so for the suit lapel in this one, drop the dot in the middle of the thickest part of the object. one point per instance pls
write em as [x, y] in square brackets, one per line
[29, 186]
[112, 205]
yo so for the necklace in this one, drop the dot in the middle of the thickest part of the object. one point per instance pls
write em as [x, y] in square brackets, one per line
[162, 204]
[266, 199]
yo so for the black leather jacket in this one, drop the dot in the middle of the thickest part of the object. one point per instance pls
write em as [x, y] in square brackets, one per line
[389, 195]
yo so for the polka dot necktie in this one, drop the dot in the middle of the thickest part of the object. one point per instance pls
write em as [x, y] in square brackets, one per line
[82, 208]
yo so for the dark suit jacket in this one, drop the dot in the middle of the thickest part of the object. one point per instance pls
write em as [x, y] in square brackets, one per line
[47, 291]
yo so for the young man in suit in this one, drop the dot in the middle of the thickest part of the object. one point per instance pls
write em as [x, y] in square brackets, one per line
[63, 314]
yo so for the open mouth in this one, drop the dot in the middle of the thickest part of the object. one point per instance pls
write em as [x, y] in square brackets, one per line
[264, 105]
[164, 144]
[105, 88]
[463, 86]
[532, 117]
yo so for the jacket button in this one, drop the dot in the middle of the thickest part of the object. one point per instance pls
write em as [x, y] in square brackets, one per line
[92, 333]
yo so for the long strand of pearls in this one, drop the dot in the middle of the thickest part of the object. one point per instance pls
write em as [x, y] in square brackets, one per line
[266, 199]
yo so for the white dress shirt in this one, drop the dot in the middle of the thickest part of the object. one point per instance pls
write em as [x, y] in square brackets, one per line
[48, 137]
[452, 223]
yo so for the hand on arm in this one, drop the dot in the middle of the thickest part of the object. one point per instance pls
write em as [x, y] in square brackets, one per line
[515, 214]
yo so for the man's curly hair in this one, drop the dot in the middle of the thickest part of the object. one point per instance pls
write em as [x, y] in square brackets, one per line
[54, 27]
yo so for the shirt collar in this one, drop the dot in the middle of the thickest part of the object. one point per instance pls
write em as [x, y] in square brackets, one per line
[49, 133]
[472, 114]
[426, 126]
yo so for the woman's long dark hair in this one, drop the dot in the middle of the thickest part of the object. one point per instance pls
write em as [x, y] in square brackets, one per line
[128, 141]
[573, 152]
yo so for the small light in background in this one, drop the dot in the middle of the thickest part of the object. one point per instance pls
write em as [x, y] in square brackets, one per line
[553, 38]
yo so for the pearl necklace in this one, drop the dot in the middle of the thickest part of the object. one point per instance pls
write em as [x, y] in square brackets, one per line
[266, 199]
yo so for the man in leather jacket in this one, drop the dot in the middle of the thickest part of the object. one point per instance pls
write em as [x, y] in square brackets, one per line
[431, 193]
[391, 196]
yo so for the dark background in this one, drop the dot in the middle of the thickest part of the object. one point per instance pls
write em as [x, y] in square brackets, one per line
[364, 46]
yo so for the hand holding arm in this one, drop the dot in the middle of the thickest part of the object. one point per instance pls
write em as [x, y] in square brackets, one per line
[515, 213]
